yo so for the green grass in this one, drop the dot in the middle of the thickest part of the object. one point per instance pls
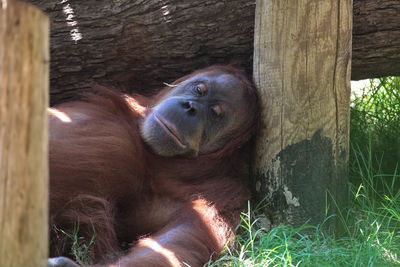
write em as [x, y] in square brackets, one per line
[80, 248]
[375, 122]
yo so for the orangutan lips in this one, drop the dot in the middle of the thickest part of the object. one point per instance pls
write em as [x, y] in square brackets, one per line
[170, 130]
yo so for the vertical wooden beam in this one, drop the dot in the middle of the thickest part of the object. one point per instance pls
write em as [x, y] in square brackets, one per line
[302, 57]
[24, 77]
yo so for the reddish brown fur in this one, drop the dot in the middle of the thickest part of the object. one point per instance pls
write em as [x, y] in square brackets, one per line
[103, 177]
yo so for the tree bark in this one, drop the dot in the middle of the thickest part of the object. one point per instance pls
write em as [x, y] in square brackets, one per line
[139, 44]
[24, 84]
[302, 58]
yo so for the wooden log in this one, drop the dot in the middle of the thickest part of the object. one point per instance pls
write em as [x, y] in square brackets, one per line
[302, 56]
[376, 39]
[141, 44]
[24, 89]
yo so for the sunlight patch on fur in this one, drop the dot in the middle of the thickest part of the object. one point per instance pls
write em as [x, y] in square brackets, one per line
[210, 219]
[154, 245]
[59, 115]
[3, 4]
[135, 106]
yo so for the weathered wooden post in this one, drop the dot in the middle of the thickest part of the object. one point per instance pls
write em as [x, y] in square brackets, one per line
[24, 70]
[302, 54]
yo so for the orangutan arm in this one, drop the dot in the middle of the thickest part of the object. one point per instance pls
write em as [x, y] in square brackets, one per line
[195, 234]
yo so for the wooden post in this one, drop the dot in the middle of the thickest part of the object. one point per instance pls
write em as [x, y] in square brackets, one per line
[24, 77]
[302, 56]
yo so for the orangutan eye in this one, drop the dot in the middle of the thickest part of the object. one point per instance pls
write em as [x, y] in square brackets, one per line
[217, 110]
[200, 89]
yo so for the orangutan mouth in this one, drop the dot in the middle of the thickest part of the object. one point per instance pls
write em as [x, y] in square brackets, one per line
[170, 129]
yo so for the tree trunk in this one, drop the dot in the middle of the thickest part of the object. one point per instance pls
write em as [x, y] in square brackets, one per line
[24, 78]
[302, 56]
[143, 43]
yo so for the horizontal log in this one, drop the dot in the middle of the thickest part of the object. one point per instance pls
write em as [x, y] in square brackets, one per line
[376, 38]
[142, 43]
